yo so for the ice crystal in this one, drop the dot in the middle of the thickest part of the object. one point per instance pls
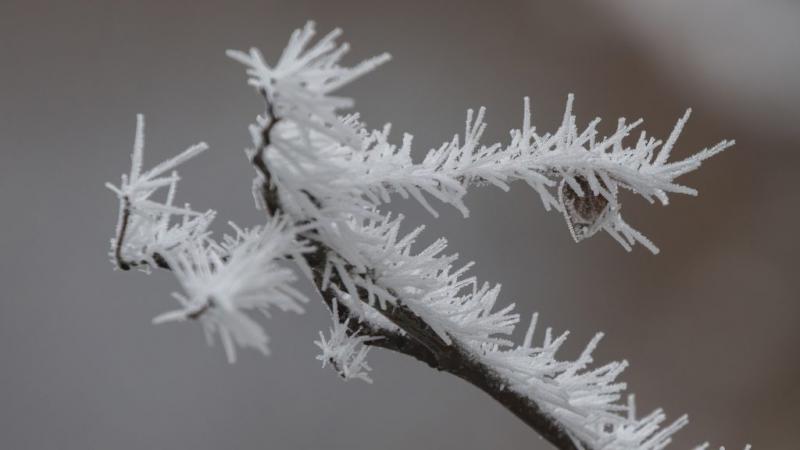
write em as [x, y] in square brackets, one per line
[300, 83]
[344, 350]
[221, 288]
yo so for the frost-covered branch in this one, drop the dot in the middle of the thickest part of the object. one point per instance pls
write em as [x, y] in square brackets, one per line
[324, 181]
[223, 281]
[455, 319]
[344, 165]
[145, 231]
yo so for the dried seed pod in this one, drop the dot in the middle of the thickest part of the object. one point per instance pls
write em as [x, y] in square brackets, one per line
[585, 214]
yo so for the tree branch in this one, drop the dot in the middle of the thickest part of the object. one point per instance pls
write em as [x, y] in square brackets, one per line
[415, 337]
[418, 339]
[423, 344]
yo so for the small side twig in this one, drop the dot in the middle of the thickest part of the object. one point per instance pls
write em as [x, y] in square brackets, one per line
[123, 230]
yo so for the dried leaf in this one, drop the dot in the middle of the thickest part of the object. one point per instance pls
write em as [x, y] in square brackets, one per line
[585, 214]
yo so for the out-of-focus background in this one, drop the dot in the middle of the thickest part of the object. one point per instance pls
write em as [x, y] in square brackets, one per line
[709, 326]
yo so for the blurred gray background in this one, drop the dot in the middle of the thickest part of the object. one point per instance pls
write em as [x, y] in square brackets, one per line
[709, 326]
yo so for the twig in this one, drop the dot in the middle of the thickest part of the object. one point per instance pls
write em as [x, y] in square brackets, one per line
[123, 230]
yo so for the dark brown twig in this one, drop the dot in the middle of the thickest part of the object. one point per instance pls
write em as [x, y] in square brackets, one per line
[123, 230]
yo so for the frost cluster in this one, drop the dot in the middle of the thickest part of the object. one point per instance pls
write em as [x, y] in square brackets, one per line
[344, 349]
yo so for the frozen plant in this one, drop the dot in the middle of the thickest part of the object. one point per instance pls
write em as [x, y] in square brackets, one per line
[324, 180]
